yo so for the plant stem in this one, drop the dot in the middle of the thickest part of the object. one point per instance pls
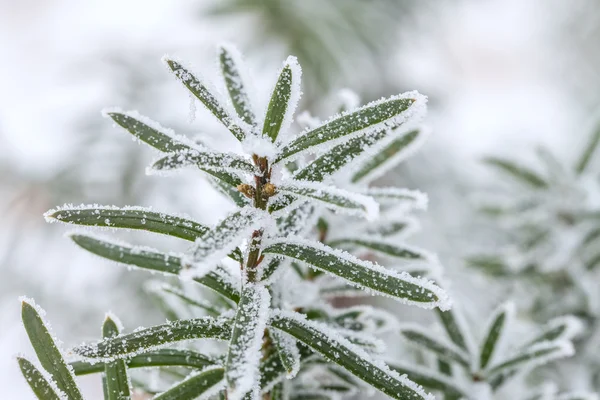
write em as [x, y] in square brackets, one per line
[260, 201]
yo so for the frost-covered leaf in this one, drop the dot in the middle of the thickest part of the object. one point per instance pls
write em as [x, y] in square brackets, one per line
[150, 338]
[230, 191]
[155, 358]
[284, 100]
[426, 340]
[268, 269]
[128, 218]
[338, 157]
[588, 151]
[338, 350]
[386, 113]
[561, 328]
[365, 318]
[272, 370]
[218, 280]
[279, 392]
[219, 241]
[46, 350]
[198, 385]
[207, 306]
[336, 199]
[288, 352]
[404, 198]
[390, 248]
[389, 156]
[519, 172]
[209, 100]
[537, 354]
[234, 74]
[364, 274]
[493, 333]
[453, 327]
[391, 226]
[116, 382]
[40, 386]
[206, 160]
[150, 132]
[244, 352]
[430, 379]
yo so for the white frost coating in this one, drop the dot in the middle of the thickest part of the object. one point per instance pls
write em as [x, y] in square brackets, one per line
[261, 146]
[244, 356]
[443, 302]
[406, 199]
[333, 336]
[413, 327]
[414, 113]
[202, 157]
[207, 394]
[193, 109]
[450, 381]
[558, 349]
[295, 94]
[110, 315]
[391, 162]
[288, 345]
[336, 199]
[349, 99]
[306, 119]
[573, 326]
[481, 391]
[151, 123]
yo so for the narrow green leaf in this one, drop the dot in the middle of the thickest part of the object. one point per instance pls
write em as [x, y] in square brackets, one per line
[388, 226]
[206, 382]
[115, 372]
[288, 353]
[199, 303]
[283, 101]
[272, 370]
[232, 69]
[364, 274]
[388, 113]
[588, 152]
[42, 389]
[128, 218]
[207, 161]
[278, 392]
[156, 358]
[199, 90]
[397, 197]
[153, 260]
[150, 338]
[388, 248]
[333, 198]
[267, 270]
[453, 328]
[340, 351]
[494, 332]
[244, 355]
[230, 191]
[47, 352]
[429, 379]
[538, 354]
[561, 328]
[520, 173]
[150, 132]
[338, 157]
[388, 157]
[426, 341]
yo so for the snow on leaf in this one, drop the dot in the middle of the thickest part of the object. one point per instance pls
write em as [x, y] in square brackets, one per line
[336, 199]
[426, 340]
[207, 98]
[288, 352]
[390, 248]
[117, 386]
[47, 351]
[207, 160]
[454, 325]
[244, 353]
[200, 385]
[430, 379]
[404, 199]
[141, 340]
[364, 274]
[43, 388]
[272, 370]
[561, 328]
[494, 332]
[339, 350]
[234, 74]
[385, 113]
[284, 99]
[518, 172]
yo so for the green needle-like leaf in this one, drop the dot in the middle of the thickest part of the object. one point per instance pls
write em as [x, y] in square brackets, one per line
[519, 172]
[244, 355]
[232, 68]
[217, 280]
[430, 380]
[453, 328]
[156, 358]
[199, 90]
[150, 338]
[348, 356]
[387, 157]
[561, 328]
[588, 152]
[283, 101]
[40, 386]
[388, 113]
[426, 341]
[206, 160]
[364, 274]
[273, 371]
[115, 372]
[288, 352]
[206, 382]
[540, 353]
[47, 352]
[494, 333]
[128, 218]
[388, 248]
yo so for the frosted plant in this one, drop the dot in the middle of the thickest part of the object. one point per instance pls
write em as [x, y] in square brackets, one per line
[265, 308]
[551, 224]
[467, 370]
